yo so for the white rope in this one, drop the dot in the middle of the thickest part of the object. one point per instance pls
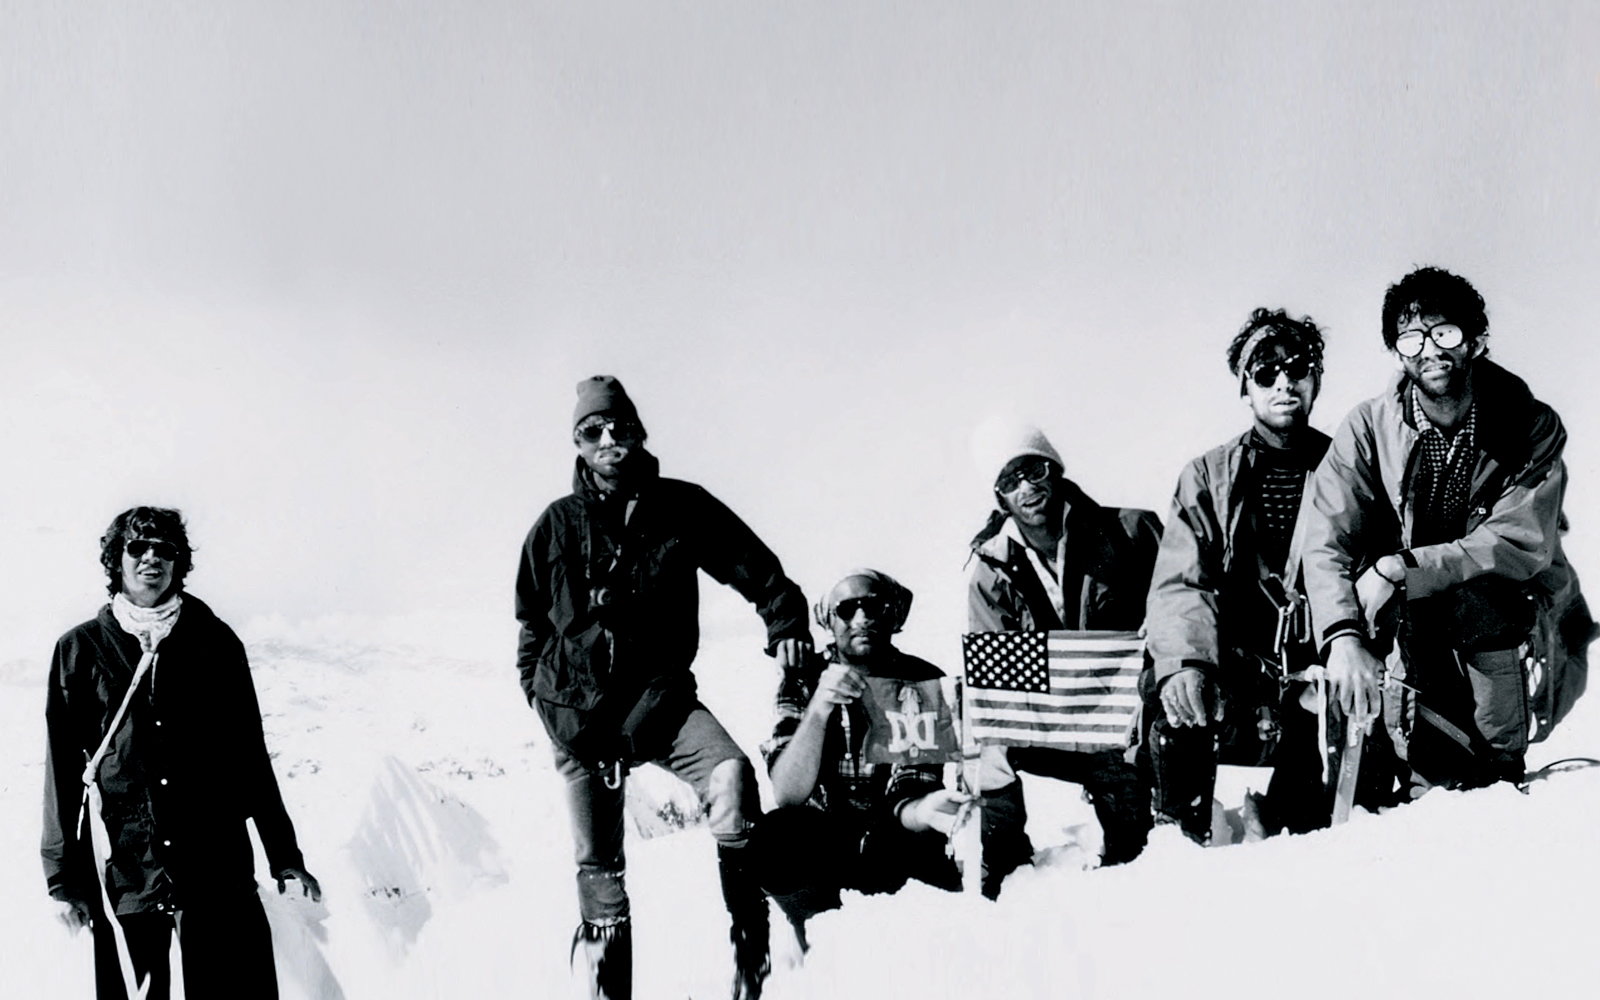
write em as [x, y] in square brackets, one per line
[91, 809]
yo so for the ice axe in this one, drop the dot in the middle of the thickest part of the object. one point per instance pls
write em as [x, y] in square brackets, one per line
[1355, 740]
[1384, 628]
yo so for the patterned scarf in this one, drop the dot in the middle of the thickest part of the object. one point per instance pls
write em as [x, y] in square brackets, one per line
[1444, 475]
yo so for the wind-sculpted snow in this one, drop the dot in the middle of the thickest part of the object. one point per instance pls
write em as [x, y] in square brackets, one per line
[417, 842]
[422, 788]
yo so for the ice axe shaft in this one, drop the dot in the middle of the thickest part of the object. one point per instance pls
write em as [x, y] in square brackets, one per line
[1355, 740]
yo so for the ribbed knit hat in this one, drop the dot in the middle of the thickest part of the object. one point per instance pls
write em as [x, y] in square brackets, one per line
[997, 442]
[602, 394]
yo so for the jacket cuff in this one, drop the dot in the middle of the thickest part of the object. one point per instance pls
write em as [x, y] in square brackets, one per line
[277, 861]
[1166, 668]
[65, 893]
[801, 632]
[1347, 626]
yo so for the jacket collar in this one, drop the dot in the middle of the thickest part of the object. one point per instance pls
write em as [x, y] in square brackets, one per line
[1505, 410]
[993, 541]
[1307, 451]
[644, 468]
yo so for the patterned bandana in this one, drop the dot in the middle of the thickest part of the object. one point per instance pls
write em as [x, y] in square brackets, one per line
[887, 587]
[1444, 472]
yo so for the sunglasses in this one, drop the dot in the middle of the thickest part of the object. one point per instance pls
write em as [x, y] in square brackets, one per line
[877, 608]
[1266, 375]
[621, 430]
[1446, 335]
[1035, 472]
[165, 551]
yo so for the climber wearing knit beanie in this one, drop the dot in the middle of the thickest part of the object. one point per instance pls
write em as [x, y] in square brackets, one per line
[608, 596]
[1050, 558]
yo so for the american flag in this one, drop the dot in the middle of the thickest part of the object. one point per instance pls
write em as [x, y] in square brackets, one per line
[1069, 690]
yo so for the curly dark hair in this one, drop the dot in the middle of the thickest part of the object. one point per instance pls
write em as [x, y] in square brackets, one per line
[145, 522]
[1433, 291]
[1300, 336]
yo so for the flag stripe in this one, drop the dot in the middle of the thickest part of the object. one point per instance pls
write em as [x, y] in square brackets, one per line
[1103, 673]
[1056, 652]
[1114, 729]
[1081, 742]
[1087, 685]
[1029, 709]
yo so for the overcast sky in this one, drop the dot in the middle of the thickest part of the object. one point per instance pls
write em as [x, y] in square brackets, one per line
[324, 274]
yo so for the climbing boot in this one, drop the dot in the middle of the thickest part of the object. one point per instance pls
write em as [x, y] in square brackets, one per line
[608, 958]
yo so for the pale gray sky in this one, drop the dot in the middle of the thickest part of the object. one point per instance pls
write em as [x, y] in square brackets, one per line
[324, 274]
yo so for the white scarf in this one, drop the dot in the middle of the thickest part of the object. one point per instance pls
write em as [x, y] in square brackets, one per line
[148, 625]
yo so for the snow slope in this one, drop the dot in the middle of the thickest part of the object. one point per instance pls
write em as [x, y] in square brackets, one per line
[425, 799]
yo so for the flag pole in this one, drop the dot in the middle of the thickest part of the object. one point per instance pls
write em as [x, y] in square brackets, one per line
[968, 836]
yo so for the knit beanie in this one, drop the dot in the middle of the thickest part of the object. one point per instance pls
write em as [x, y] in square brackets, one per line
[998, 442]
[603, 394]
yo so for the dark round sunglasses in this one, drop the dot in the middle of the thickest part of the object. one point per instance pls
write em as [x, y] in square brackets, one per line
[1447, 336]
[621, 430]
[165, 551]
[1035, 471]
[1266, 375]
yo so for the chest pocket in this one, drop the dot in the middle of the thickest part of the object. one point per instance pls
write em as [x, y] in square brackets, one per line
[659, 559]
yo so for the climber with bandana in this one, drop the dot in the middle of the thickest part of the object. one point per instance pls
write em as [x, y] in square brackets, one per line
[844, 822]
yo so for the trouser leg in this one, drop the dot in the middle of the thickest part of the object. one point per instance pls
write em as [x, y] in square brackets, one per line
[1183, 767]
[604, 936]
[893, 855]
[1298, 799]
[1500, 700]
[1121, 800]
[704, 755]
[799, 856]
[149, 938]
[596, 814]
[1006, 846]
[1120, 795]
[227, 951]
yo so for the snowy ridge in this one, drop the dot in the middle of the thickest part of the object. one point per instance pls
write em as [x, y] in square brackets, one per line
[425, 799]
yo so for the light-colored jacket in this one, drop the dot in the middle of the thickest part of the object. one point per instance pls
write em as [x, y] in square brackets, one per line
[1195, 577]
[1361, 505]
